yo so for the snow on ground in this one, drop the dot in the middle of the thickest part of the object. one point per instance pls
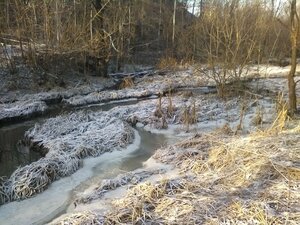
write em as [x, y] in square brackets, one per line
[178, 113]
[83, 94]
[272, 85]
[111, 200]
[144, 87]
[267, 71]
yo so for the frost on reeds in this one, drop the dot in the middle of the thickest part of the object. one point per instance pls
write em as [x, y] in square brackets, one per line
[83, 218]
[143, 87]
[225, 180]
[65, 140]
[86, 134]
[177, 110]
[145, 112]
[106, 96]
[21, 109]
[132, 178]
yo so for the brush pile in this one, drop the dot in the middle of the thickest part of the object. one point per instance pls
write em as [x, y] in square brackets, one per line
[65, 140]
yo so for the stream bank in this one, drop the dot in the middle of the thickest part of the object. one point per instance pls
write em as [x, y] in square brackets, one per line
[215, 178]
[185, 113]
[60, 194]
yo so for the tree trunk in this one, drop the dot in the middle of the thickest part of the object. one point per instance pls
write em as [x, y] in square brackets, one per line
[159, 22]
[104, 49]
[294, 37]
[57, 20]
[174, 23]
[75, 18]
[7, 14]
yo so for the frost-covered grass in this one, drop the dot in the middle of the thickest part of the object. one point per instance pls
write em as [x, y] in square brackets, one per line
[66, 139]
[94, 92]
[21, 109]
[83, 133]
[211, 165]
[131, 178]
[223, 179]
[199, 111]
[82, 218]
[143, 87]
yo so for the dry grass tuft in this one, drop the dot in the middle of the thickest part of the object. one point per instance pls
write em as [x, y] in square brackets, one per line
[224, 130]
[147, 202]
[258, 118]
[282, 115]
[127, 82]
[189, 116]
[228, 180]
[81, 219]
[168, 63]
[223, 180]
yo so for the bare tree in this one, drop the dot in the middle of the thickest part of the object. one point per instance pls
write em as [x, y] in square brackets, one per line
[294, 35]
[174, 25]
[230, 34]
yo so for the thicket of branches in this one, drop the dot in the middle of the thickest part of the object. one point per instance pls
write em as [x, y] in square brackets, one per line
[224, 33]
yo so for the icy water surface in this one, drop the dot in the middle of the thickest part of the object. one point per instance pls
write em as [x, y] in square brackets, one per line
[56, 199]
[12, 154]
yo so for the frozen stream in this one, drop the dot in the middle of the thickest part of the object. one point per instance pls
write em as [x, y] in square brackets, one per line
[55, 200]
[13, 155]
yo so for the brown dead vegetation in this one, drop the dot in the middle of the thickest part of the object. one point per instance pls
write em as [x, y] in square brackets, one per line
[224, 179]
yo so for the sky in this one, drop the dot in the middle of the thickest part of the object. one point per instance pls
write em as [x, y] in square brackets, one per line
[278, 4]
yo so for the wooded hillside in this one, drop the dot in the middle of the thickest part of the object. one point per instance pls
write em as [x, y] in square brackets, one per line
[96, 33]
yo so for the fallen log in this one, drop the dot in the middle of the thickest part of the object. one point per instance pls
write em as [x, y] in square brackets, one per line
[137, 74]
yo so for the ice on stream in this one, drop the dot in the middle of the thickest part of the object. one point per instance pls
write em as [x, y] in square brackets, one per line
[52, 202]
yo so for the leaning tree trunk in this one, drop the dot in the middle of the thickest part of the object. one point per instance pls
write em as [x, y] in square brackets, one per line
[294, 38]
[291, 81]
